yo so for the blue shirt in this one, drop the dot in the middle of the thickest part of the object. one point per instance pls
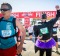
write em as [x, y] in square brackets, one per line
[7, 29]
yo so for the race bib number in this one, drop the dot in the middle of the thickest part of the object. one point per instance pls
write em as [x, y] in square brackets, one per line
[44, 30]
[6, 33]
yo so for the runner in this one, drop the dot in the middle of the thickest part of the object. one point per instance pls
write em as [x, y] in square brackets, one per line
[43, 32]
[8, 42]
[30, 31]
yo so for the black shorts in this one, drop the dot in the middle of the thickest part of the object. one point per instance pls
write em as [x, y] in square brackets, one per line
[55, 38]
[30, 34]
[36, 49]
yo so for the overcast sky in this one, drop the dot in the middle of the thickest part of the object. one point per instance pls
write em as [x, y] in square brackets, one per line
[32, 5]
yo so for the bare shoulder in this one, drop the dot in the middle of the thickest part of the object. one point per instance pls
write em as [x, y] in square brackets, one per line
[18, 22]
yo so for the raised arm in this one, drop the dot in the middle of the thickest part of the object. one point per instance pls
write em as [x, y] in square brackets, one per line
[53, 21]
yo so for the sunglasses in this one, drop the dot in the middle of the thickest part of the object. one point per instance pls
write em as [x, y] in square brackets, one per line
[4, 9]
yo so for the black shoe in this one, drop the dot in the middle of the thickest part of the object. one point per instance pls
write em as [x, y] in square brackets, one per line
[19, 55]
[24, 43]
[24, 49]
[53, 51]
[58, 52]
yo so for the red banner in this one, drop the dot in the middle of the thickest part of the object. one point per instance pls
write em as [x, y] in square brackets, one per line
[37, 14]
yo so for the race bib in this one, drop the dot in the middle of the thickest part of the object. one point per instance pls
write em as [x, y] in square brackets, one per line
[6, 33]
[44, 30]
